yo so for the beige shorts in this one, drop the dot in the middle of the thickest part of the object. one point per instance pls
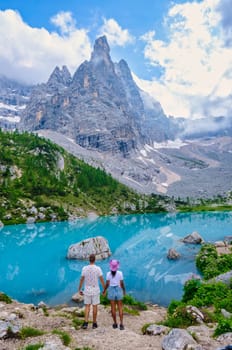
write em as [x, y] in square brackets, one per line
[92, 299]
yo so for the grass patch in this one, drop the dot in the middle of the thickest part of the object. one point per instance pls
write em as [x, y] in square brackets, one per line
[27, 332]
[65, 337]
[33, 346]
[127, 300]
[45, 311]
[77, 323]
[131, 311]
[145, 327]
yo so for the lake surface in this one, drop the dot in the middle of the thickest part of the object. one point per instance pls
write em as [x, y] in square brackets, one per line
[34, 268]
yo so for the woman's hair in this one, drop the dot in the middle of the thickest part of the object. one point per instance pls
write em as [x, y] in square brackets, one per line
[113, 273]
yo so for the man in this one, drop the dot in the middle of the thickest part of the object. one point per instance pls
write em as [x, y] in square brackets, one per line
[90, 275]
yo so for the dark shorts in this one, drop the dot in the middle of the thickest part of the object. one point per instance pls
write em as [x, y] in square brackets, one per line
[115, 293]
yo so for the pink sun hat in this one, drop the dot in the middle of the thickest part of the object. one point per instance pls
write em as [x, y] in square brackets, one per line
[114, 265]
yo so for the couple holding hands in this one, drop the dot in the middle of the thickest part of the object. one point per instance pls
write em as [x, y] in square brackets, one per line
[90, 276]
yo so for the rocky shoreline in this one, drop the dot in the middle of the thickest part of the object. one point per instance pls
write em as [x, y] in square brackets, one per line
[55, 321]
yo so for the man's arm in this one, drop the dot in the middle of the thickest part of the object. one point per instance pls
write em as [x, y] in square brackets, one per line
[102, 282]
[80, 284]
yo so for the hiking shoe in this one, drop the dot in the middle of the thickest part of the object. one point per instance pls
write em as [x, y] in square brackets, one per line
[121, 327]
[85, 325]
[95, 325]
[115, 325]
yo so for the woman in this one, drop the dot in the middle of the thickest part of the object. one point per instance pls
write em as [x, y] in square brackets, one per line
[114, 281]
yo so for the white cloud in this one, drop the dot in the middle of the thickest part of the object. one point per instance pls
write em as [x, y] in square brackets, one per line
[115, 34]
[194, 59]
[65, 22]
[30, 54]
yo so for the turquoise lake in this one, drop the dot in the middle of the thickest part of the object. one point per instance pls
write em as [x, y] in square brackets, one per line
[34, 268]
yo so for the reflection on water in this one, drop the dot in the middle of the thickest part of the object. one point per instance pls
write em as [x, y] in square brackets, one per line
[33, 264]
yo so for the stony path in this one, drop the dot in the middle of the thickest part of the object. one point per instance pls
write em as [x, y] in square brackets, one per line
[102, 338]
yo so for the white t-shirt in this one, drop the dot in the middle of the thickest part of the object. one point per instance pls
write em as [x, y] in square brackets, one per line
[114, 280]
[91, 274]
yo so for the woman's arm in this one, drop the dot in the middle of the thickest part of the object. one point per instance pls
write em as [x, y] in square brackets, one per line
[106, 286]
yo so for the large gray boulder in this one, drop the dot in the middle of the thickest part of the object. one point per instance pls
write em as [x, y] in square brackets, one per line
[224, 277]
[95, 245]
[179, 339]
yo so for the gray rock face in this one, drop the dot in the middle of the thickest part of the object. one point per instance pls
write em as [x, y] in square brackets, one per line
[179, 339]
[224, 277]
[96, 245]
[14, 97]
[9, 325]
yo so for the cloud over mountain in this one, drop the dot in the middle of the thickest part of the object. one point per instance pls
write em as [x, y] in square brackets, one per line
[29, 54]
[195, 58]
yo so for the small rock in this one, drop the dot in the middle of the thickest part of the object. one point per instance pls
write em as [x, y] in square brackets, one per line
[173, 254]
[155, 329]
[193, 238]
[77, 297]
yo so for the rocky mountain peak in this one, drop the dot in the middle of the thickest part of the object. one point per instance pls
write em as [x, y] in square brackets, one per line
[101, 52]
[60, 77]
[101, 45]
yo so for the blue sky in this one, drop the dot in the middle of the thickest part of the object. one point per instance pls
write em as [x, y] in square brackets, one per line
[179, 51]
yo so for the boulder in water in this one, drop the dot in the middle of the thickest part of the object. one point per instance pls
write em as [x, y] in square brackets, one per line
[95, 245]
[193, 238]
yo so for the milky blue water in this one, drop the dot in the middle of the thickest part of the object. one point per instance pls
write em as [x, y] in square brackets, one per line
[34, 268]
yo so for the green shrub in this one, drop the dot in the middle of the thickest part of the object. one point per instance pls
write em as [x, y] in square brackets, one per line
[5, 298]
[210, 263]
[190, 288]
[209, 294]
[173, 306]
[179, 317]
[224, 326]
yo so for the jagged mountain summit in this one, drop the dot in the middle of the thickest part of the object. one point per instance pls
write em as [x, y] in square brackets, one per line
[100, 108]
[100, 115]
